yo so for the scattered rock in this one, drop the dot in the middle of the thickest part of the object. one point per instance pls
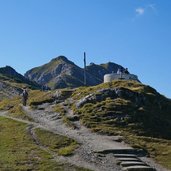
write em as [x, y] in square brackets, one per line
[102, 94]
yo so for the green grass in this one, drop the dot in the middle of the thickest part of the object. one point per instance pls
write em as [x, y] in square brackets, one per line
[14, 108]
[17, 112]
[46, 67]
[57, 143]
[132, 85]
[8, 104]
[159, 149]
[146, 126]
[150, 120]
[150, 117]
[68, 122]
[38, 97]
[19, 152]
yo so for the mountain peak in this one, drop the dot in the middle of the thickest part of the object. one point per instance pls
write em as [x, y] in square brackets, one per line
[60, 72]
[7, 70]
[63, 58]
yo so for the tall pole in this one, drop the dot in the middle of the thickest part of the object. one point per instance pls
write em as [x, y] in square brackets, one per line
[85, 69]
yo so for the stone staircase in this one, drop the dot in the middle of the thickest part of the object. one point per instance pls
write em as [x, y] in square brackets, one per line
[129, 159]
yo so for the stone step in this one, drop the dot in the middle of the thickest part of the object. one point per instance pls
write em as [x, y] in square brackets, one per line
[128, 159]
[139, 152]
[125, 155]
[131, 159]
[138, 168]
[135, 151]
[132, 163]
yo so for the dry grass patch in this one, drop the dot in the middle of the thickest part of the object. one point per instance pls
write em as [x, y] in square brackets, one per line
[19, 151]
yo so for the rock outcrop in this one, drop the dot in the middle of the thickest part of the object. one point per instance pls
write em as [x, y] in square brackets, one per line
[137, 98]
[126, 104]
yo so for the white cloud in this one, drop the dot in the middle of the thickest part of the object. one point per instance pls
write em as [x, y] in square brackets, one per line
[153, 8]
[140, 11]
[146, 9]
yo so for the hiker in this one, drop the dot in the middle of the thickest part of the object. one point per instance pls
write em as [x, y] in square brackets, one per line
[24, 96]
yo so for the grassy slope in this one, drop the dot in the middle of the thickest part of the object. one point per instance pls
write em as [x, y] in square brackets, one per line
[35, 97]
[153, 114]
[19, 152]
[17, 82]
[45, 68]
[15, 134]
[60, 144]
[147, 126]
[96, 116]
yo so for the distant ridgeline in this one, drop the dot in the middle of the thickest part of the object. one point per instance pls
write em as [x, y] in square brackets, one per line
[9, 74]
[61, 73]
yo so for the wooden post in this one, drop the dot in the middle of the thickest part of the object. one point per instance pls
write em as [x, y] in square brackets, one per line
[85, 83]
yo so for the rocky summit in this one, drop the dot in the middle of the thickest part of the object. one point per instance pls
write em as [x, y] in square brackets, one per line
[61, 72]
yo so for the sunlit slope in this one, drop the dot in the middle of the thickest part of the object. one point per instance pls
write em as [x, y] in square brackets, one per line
[128, 105]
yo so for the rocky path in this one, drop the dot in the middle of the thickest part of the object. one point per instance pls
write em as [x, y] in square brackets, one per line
[87, 155]
[97, 152]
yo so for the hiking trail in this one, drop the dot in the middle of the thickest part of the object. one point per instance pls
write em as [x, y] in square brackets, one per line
[96, 152]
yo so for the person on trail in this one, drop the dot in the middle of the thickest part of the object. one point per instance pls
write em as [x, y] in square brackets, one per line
[24, 96]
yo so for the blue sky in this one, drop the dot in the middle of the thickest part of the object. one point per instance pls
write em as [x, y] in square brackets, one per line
[133, 33]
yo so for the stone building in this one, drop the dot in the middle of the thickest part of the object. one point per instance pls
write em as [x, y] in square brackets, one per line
[119, 76]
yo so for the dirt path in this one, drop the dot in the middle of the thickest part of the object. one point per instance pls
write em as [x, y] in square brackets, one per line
[32, 126]
[31, 131]
[91, 142]
[87, 155]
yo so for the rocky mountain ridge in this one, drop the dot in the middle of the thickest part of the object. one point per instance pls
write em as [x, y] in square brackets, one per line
[61, 73]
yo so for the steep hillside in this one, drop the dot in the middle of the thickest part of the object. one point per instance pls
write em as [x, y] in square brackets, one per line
[61, 73]
[125, 104]
[12, 82]
[135, 113]
[129, 109]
